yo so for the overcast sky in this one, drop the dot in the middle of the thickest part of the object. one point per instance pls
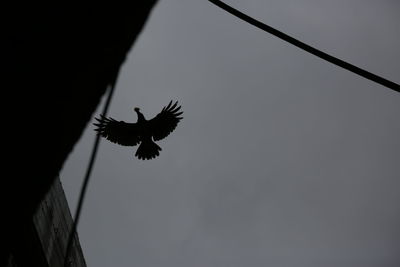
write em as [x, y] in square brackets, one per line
[281, 160]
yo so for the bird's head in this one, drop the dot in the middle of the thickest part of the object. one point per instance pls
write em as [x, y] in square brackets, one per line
[136, 109]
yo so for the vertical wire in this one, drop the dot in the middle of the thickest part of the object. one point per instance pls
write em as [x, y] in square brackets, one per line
[86, 179]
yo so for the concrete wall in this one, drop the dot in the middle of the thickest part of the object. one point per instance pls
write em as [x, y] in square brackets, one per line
[43, 240]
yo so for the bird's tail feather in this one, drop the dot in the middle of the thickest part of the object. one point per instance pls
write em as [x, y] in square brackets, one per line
[148, 150]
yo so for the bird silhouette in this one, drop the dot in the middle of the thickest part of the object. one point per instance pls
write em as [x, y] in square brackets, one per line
[143, 131]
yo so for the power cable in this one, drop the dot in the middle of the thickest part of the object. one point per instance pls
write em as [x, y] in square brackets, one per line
[336, 61]
[86, 179]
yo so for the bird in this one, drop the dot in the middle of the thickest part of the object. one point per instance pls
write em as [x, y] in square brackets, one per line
[143, 133]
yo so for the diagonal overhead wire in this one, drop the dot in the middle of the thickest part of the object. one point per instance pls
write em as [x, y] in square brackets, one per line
[67, 259]
[334, 60]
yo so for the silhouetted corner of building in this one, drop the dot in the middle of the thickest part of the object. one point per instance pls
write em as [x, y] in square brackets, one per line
[43, 241]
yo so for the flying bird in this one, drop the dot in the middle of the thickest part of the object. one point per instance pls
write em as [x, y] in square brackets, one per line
[143, 132]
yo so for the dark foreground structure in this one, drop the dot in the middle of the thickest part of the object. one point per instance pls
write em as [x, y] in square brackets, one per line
[58, 60]
[43, 240]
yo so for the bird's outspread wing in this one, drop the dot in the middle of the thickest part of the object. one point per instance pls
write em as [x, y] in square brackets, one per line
[119, 132]
[165, 121]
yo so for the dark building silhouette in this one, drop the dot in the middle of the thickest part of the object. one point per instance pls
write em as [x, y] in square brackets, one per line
[43, 240]
[58, 60]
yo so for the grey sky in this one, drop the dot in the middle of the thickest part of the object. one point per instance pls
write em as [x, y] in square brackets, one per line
[281, 160]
